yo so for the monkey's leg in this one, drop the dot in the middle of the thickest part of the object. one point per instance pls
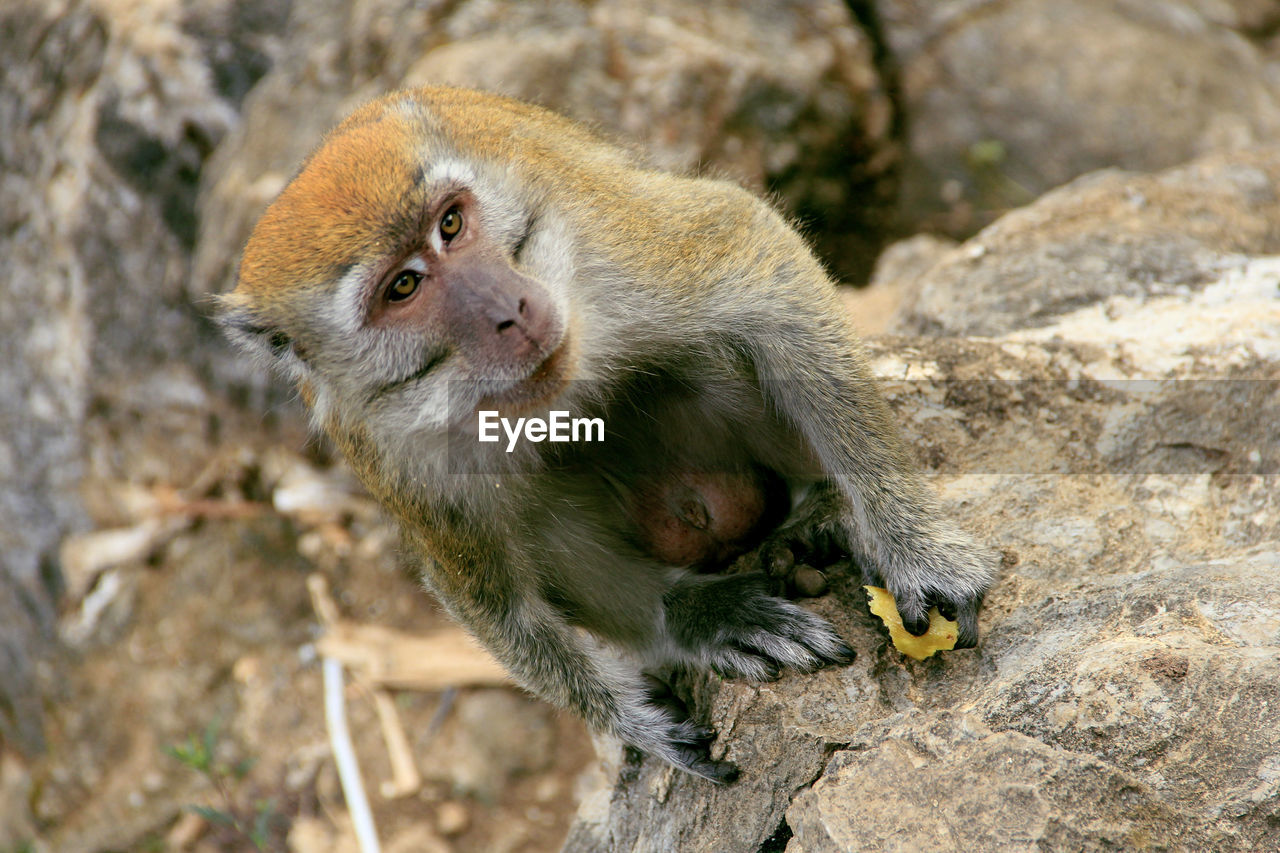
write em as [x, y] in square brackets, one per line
[810, 535]
[731, 624]
[566, 667]
[816, 378]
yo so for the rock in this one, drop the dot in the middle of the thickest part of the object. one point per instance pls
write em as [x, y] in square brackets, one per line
[113, 110]
[1006, 100]
[917, 788]
[1107, 738]
[874, 308]
[43, 389]
[654, 807]
[417, 839]
[477, 751]
[1123, 456]
[316, 835]
[1113, 240]
[452, 818]
[782, 97]
[907, 260]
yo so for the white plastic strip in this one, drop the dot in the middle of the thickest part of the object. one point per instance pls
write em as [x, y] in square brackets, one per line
[335, 714]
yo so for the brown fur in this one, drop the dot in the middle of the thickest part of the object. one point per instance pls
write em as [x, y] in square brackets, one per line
[683, 311]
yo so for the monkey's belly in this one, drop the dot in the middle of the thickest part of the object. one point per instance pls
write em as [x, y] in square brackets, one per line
[705, 519]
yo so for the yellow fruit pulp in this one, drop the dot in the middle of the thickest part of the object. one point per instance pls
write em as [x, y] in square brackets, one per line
[941, 635]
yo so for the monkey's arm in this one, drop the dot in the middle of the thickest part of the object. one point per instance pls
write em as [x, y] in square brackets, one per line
[560, 663]
[813, 372]
[569, 669]
[760, 291]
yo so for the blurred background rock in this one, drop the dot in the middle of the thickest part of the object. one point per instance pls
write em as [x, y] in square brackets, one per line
[139, 141]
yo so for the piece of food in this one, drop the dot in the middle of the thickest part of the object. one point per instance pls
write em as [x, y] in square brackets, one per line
[941, 635]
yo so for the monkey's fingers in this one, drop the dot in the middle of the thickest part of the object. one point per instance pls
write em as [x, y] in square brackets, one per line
[691, 751]
[968, 618]
[678, 739]
[720, 772]
[945, 570]
[914, 609]
[794, 549]
[779, 634]
[736, 661]
[966, 614]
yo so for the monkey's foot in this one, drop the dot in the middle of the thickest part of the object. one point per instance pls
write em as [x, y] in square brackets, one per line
[698, 762]
[696, 758]
[732, 625]
[671, 735]
[797, 556]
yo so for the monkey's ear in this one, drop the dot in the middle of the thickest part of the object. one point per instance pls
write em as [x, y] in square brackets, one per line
[264, 340]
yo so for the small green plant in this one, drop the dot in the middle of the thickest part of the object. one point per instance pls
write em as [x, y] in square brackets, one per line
[251, 820]
[990, 166]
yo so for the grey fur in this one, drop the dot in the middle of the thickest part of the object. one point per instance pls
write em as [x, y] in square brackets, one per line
[701, 330]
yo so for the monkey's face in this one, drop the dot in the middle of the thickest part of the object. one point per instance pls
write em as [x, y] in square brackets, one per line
[404, 286]
[455, 306]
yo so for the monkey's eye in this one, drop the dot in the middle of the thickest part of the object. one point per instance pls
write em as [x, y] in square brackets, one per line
[451, 224]
[404, 286]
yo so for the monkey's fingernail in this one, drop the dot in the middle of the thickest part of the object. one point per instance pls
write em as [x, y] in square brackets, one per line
[844, 655]
[916, 625]
[968, 639]
[702, 734]
[810, 582]
[720, 772]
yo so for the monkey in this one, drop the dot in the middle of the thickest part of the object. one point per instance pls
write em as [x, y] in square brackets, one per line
[446, 252]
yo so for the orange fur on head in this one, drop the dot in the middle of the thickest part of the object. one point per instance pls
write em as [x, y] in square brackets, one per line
[351, 197]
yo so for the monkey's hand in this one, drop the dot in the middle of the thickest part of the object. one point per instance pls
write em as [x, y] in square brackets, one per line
[881, 511]
[685, 743]
[810, 537]
[934, 565]
[937, 566]
[732, 625]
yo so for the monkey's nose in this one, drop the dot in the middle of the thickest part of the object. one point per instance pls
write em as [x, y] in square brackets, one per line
[522, 310]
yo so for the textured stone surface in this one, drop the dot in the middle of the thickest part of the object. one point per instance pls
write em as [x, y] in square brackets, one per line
[1008, 99]
[1111, 239]
[1138, 713]
[784, 97]
[918, 789]
[109, 112]
[1123, 456]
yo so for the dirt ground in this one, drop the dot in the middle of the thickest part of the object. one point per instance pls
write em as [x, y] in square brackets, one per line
[187, 711]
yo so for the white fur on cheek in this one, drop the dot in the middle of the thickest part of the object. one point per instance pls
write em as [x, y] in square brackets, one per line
[548, 257]
[345, 313]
